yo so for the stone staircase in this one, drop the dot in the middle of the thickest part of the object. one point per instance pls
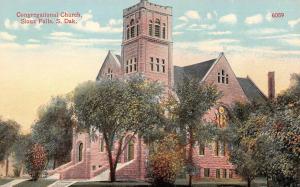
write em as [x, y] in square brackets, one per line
[104, 176]
[63, 183]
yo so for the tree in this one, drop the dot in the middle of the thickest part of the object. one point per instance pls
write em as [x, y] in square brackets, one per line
[9, 131]
[268, 134]
[193, 100]
[167, 161]
[244, 152]
[118, 108]
[285, 130]
[54, 130]
[19, 149]
[35, 161]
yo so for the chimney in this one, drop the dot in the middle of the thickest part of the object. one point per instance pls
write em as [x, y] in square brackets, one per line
[271, 85]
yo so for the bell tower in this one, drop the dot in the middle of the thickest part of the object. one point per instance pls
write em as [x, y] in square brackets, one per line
[147, 42]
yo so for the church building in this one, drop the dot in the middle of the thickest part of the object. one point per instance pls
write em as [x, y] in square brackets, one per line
[147, 48]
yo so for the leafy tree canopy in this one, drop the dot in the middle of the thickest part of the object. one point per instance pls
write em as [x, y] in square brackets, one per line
[9, 131]
[54, 129]
[117, 108]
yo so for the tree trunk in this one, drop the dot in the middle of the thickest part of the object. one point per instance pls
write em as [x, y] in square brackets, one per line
[54, 164]
[267, 181]
[249, 182]
[190, 180]
[190, 154]
[110, 159]
[6, 166]
[112, 174]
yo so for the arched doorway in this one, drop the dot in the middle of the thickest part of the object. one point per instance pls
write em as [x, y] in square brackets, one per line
[129, 151]
[79, 152]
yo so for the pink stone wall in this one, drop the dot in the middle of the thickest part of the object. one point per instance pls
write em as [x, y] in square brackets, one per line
[232, 92]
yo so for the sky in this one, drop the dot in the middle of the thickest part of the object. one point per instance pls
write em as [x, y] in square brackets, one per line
[38, 61]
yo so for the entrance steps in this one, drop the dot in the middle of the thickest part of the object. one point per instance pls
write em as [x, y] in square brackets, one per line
[63, 183]
[104, 176]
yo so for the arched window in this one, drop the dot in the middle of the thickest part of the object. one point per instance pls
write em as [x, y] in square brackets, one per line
[79, 152]
[127, 32]
[150, 28]
[132, 28]
[164, 31]
[223, 77]
[101, 145]
[109, 73]
[221, 117]
[201, 148]
[130, 151]
[157, 28]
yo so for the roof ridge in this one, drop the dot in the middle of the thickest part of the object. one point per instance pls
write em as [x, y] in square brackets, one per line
[249, 78]
[198, 63]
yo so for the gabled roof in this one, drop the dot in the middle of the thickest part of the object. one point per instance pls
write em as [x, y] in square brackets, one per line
[252, 92]
[110, 58]
[196, 71]
[200, 70]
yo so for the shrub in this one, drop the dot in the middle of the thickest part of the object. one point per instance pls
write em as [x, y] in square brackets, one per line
[35, 161]
[166, 161]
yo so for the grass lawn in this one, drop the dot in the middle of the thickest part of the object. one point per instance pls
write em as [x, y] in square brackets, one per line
[108, 184]
[38, 183]
[179, 183]
[5, 180]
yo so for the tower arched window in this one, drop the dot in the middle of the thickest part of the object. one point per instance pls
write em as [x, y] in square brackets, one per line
[164, 31]
[132, 29]
[127, 32]
[150, 28]
[157, 28]
[79, 152]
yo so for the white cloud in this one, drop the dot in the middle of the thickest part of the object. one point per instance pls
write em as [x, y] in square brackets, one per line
[61, 34]
[7, 37]
[268, 16]
[197, 27]
[292, 41]
[255, 19]
[70, 40]
[14, 25]
[220, 33]
[115, 22]
[293, 23]
[229, 19]
[183, 18]
[207, 46]
[89, 25]
[31, 40]
[192, 14]
[209, 15]
[266, 31]
[177, 33]
[215, 13]
[280, 36]
[179, 26]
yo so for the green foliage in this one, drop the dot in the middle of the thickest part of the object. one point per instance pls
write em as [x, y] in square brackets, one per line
[54, 129]
[194, 100]
[186, 111]
[20, 147]
[268, 135]
[35, 161]
[167, 160]
[117, 108]
[9, 131]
